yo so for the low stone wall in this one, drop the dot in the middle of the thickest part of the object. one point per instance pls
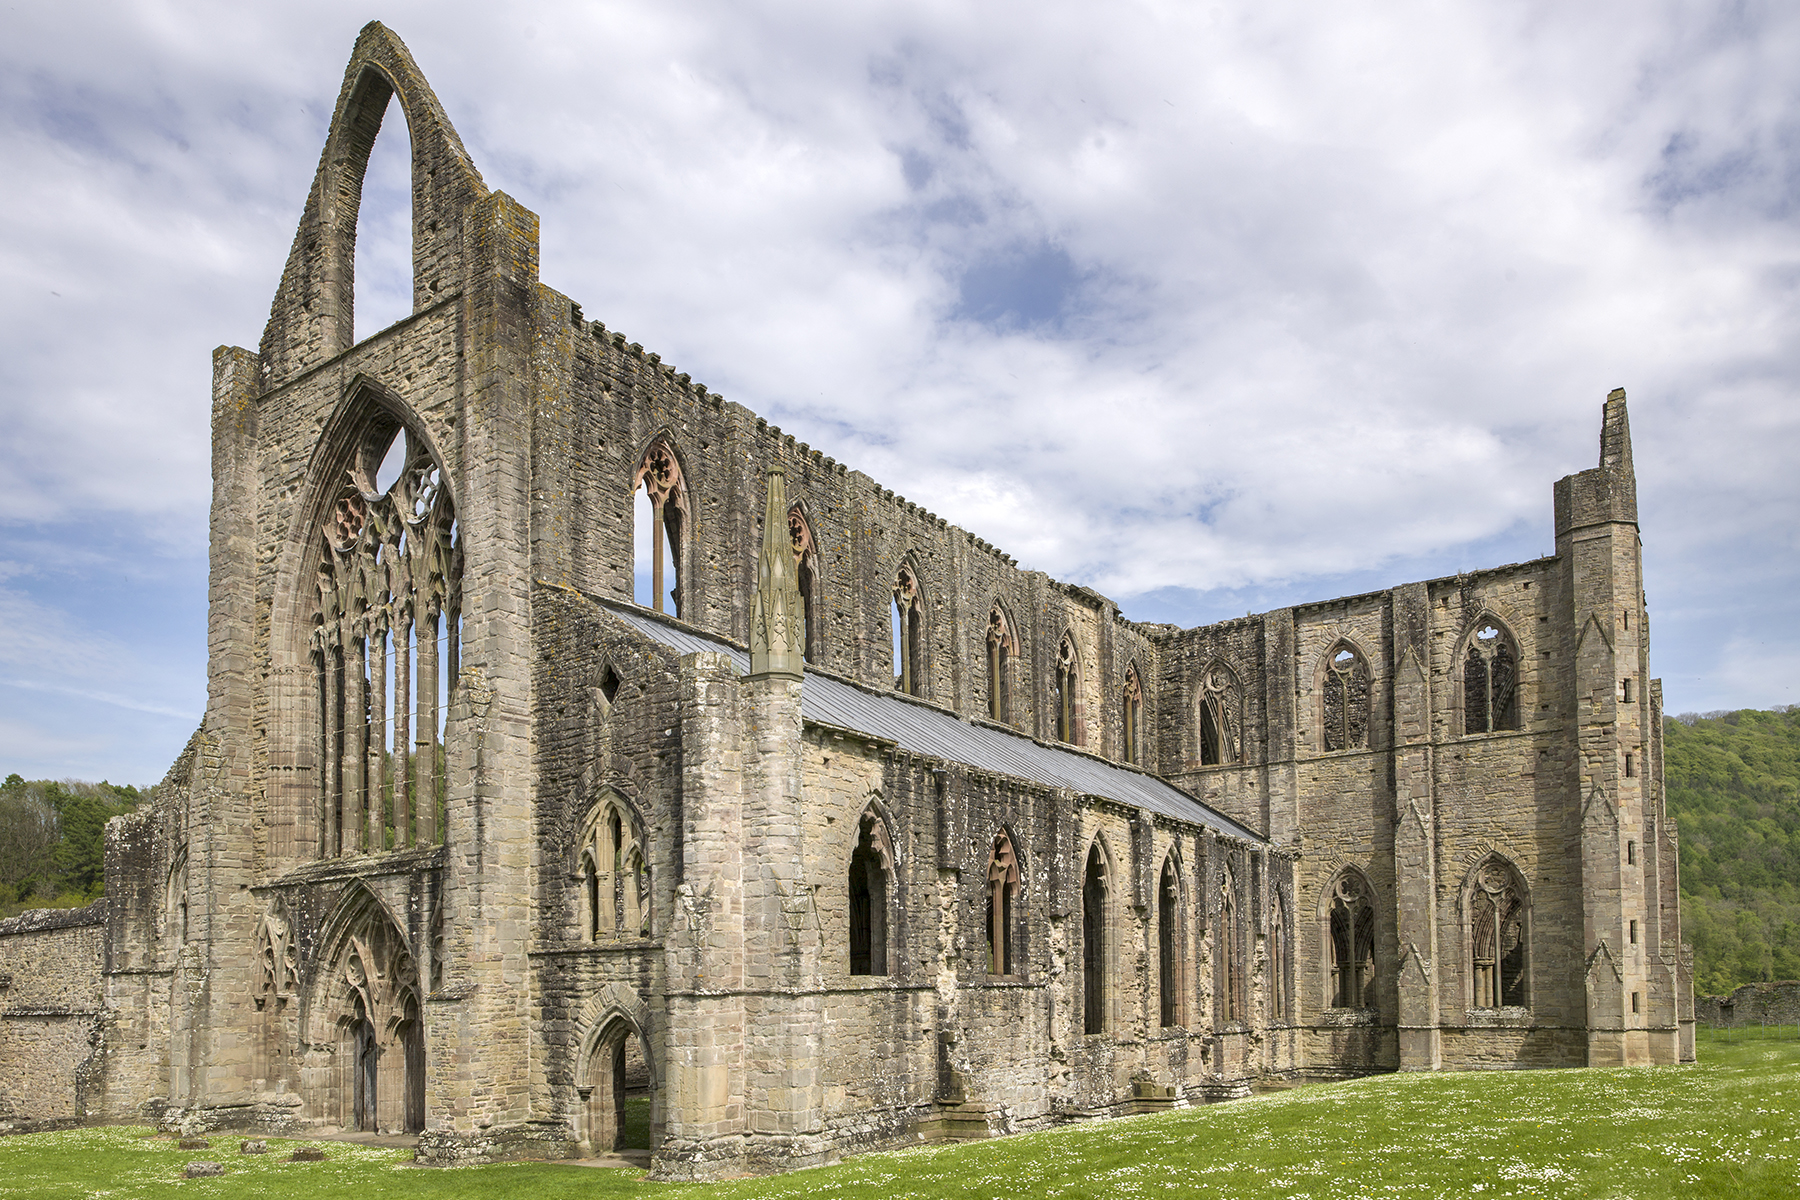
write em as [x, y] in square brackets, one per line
[51, 1015]
[1753, 1004]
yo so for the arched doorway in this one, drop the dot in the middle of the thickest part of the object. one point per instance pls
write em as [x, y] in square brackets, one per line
[616, 1092]
[370, 996]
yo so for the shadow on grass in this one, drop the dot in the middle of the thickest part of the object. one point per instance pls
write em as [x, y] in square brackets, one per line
[1726, 1126]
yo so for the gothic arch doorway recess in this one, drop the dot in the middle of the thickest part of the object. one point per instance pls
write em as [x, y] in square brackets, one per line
[616, 1090]
[369, 997]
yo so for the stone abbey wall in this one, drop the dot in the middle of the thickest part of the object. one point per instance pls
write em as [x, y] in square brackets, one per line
[52, 1016]
[469, 845]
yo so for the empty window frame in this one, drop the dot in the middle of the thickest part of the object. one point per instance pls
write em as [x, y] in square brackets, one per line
[1344, 698]
[1069, 715]
[1350, 942]
[1093, 942]
[871, 878]
[1002, 650]
[1228, 938]
[1279, 967]
[1171, 947]
[909, 629]
[806, 572]
[659, 493]
[1490, 667]
[1002, 896]
[1132, 717]
[1220, 716]
[1499, 926]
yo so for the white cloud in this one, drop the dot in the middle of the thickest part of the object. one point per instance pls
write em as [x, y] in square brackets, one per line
[1297, 294]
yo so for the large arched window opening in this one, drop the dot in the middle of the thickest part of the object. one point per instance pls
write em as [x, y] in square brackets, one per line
[908, 613]
[1228, 938]
[871, 875]
[1002, 897]
[1490, 670]
[1499, 936]
[1171, 946]
[385, 643]
[1093, 942]
[383, 211]
[1002, 650]
[1132, 722]
[615, 873]
[1343, 686]
[806, 572]
[1070, 717]
[1221, 716]
[1350, 942]
[661, 529]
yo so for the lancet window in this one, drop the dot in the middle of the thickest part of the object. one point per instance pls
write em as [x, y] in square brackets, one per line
[871, 876]
[385, 645]
[806, 571]
[1069, 716]
[663, 520]
[1002, 649]
[615, 874]
[1002, 895]
[1093, 942]
[1490, 681]
[1133, 717]
[1278, 960]
[1497, 936]
[1350, 938]
[1171, 944]
[1221, 709]
[1228, 938]
[909, 629]
[1344, 698]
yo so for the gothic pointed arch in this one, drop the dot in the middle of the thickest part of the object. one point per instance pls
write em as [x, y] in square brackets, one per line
[365, 1006]
[1220, 715]
[1002, 663]
[1347, 929]
[1171, 942]
[612, 863]
[663, 516]
[809, 580]
[871, 883]
[1068, 694]
[1131, 715]
[1004, 877]
[312, 319]
[1097, 937]
[616, 1079]
[1341, 681]
[908, 612]
[378, 611]
[1231, 977]
[1496, 909]
[1280, 957]
[1487, 666]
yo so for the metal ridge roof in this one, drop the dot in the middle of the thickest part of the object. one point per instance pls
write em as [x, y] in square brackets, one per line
[935, 733]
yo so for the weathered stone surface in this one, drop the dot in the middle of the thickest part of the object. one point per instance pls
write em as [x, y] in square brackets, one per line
[203, 1170]
[462, 850]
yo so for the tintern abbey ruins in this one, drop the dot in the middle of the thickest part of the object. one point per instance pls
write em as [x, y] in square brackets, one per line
[856, 834]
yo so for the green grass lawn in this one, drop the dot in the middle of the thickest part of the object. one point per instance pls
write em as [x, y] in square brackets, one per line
[1725, 1127]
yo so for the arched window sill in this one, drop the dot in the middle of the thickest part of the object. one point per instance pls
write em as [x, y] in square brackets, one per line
[1003, 981]
[1508, 1016]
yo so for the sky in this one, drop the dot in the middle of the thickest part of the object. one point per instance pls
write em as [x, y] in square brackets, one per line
[1214, 308]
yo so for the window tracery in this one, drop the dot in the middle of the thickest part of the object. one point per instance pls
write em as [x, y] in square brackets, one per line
[806, 569]
[1002, 649]
[908, 617]
[1133, 716]
[664, 522]
[615, 874]
[871, 870]
[1490, 681]
[1170, 945]
[1094, 889]
[1350, 929]
[1345, 698]
[373, 988]
[1498, 949]
[1069, 716]
[1229, 939]
[385, 645]
[1221, 708]
[1002, 892]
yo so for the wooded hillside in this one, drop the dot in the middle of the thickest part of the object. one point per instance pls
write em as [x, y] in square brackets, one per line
[53, 840]
[1734, 790]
